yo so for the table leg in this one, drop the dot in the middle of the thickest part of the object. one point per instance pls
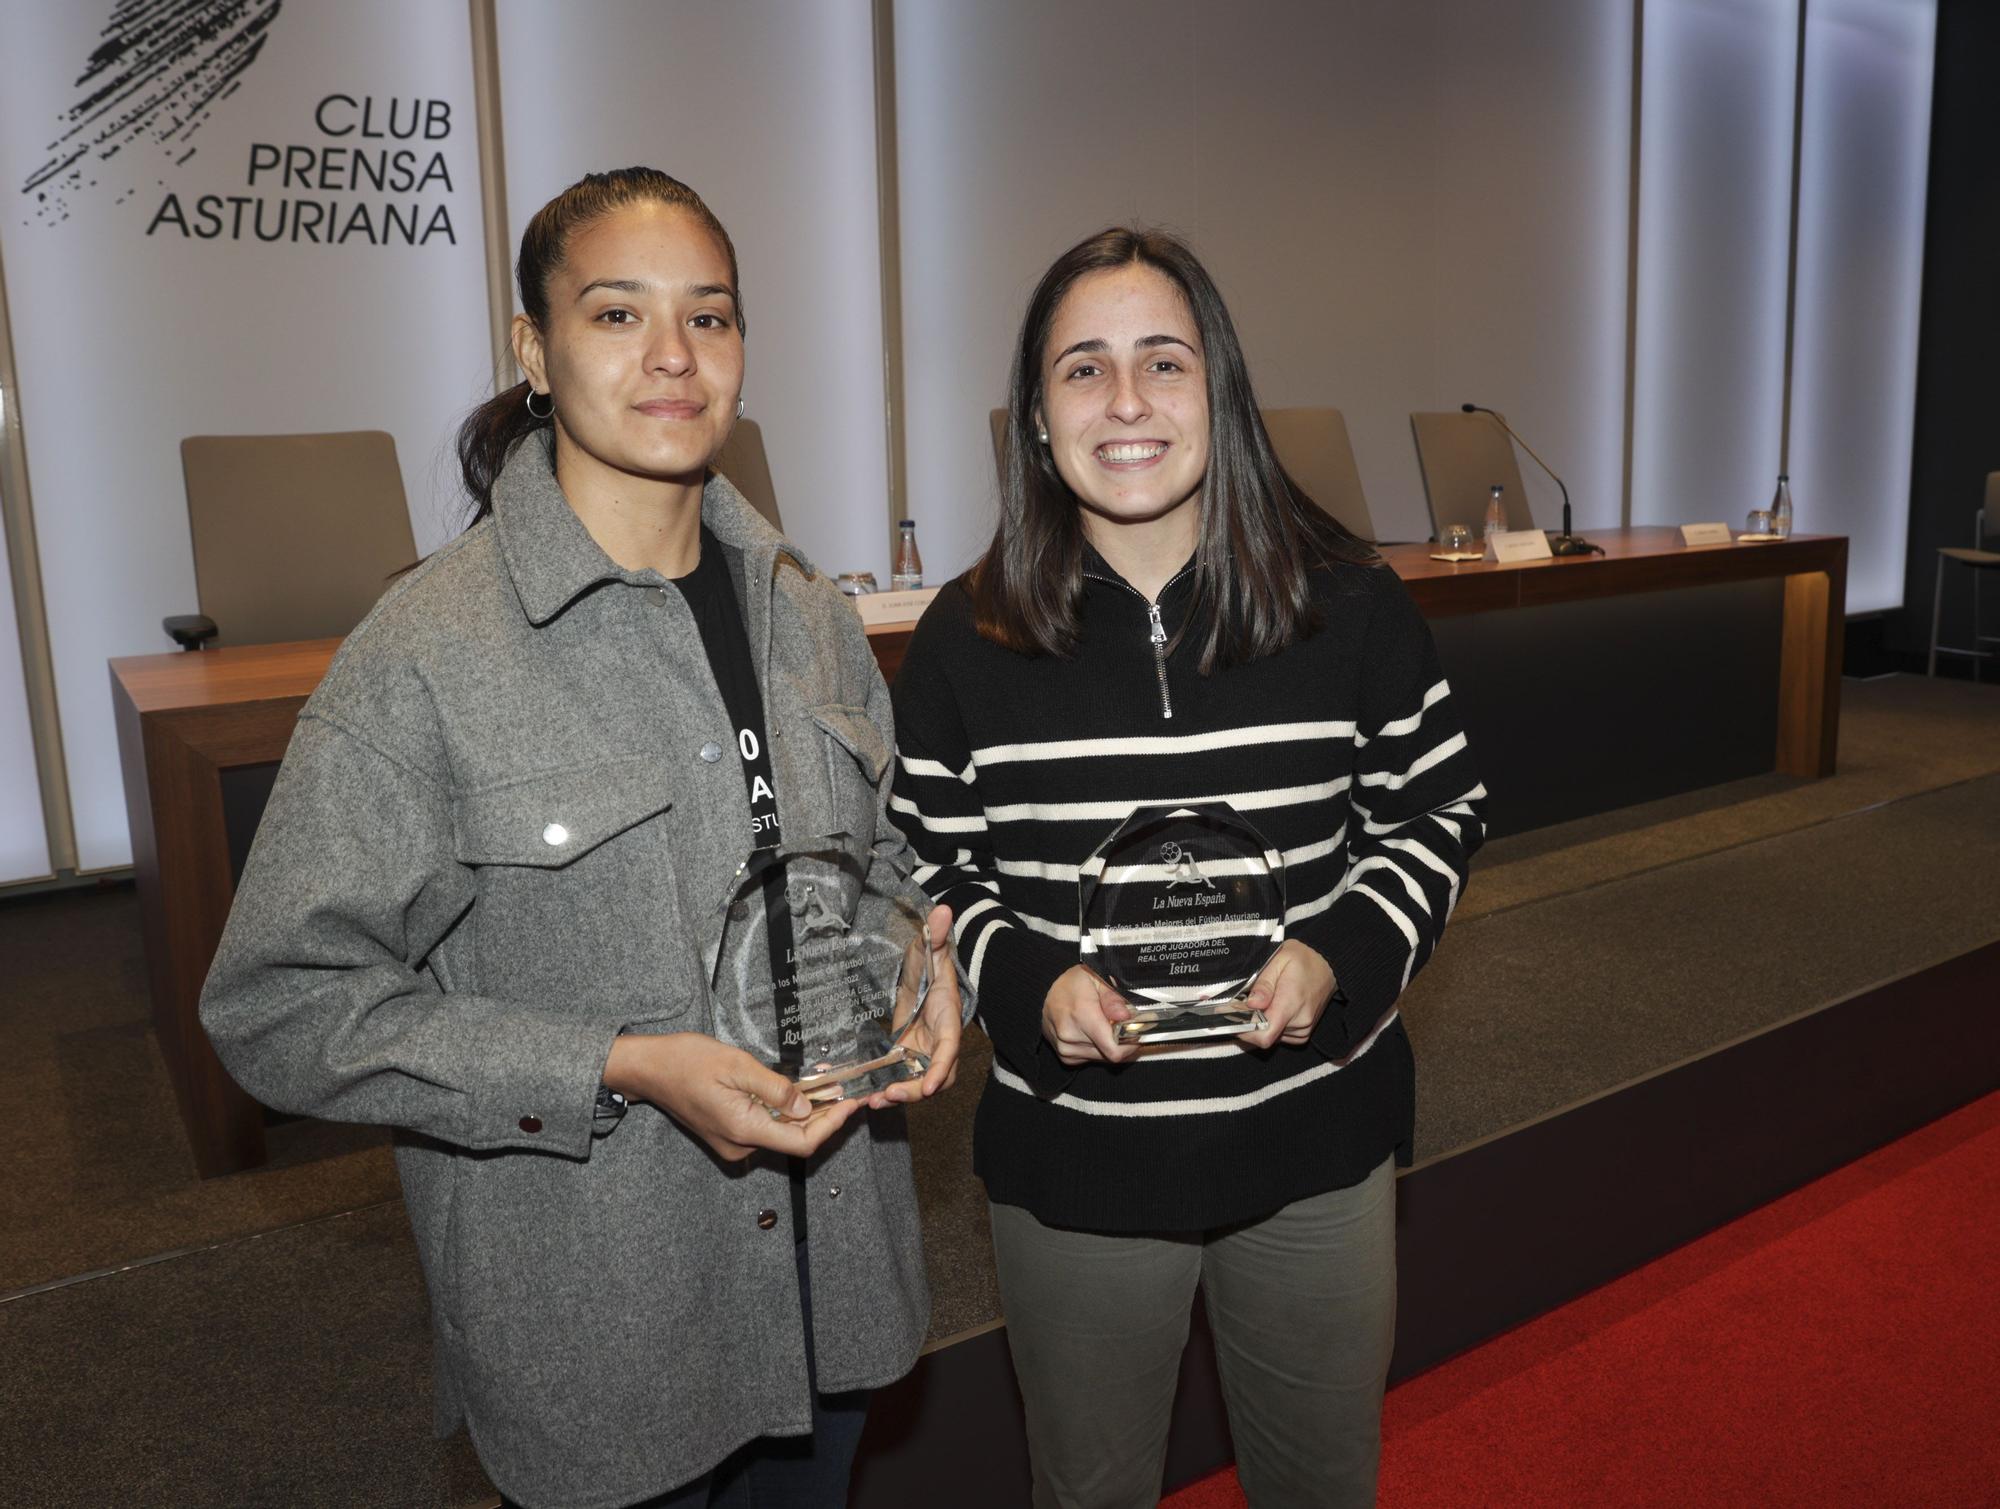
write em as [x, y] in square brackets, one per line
[1809, 672]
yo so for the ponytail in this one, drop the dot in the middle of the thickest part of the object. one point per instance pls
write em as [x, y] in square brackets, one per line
[486, 437]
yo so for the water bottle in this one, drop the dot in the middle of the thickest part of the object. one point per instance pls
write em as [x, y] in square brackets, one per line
[1496, 513]
[1781, 508]
[908, 573]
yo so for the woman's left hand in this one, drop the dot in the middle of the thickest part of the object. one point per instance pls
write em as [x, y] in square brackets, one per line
[938, 1027]
[1291, 991]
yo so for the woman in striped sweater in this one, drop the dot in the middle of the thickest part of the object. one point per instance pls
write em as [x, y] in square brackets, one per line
[1164, 617]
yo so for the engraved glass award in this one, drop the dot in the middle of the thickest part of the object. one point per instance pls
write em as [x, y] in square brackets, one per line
[821, 974]
[1181, 907]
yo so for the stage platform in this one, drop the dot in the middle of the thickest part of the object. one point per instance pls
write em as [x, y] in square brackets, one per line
[1639, 1025]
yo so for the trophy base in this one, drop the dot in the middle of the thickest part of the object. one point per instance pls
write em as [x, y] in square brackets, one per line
[1173, 1024]
[850, 1081]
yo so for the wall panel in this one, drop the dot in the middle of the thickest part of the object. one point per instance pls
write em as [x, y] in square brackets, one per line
[1865, 144]
[24, 839]
[1530, 238]
[1715, 172]
[767, 109]
[1407, 207]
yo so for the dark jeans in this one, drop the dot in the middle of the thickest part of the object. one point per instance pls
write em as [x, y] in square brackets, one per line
[782, 1472]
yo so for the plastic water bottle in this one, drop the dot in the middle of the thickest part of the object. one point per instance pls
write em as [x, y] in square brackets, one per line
[1496, 513]
[908, 573]
[1781, 508]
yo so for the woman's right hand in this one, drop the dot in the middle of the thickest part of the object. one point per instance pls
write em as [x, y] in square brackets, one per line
[722, 1095]
[1080, 1017]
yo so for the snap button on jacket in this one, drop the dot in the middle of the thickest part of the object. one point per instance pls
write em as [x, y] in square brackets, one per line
[486, 855]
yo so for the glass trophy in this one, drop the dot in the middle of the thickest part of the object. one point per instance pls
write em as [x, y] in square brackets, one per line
[1182, 906]
[820, 973]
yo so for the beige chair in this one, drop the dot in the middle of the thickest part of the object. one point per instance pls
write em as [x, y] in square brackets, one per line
[1461, 457]
[1980, 559]
[743, 462]
[996, 420]
[1312, 445]
[295, 536]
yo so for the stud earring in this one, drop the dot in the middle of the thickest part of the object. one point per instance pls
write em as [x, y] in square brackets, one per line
[1043, 436]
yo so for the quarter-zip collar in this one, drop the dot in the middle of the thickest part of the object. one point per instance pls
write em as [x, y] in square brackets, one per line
[553, 560]
[1096, 568]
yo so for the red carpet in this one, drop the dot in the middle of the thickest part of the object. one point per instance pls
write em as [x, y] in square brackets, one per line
[1839, 1347]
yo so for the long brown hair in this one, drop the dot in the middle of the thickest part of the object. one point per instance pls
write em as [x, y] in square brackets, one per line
[1259, 533]
[503, 421]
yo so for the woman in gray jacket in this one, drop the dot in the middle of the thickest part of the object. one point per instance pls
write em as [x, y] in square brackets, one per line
[488, 896]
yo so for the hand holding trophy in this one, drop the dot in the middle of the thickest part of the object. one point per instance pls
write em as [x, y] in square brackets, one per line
[823, 973]
[1181, 907]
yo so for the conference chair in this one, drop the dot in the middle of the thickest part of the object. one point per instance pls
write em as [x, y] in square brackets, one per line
[1312, 446]
[743, 462]
[1461, 457]
[996, 420]
[295, 536]
[1980, 559]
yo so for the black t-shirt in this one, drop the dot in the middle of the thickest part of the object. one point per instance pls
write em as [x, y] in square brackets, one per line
[718, 617]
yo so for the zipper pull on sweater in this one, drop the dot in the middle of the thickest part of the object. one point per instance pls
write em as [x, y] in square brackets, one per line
[1158, 636]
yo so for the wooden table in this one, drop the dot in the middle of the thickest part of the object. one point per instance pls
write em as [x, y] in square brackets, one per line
[185, 720]
[1653, 559]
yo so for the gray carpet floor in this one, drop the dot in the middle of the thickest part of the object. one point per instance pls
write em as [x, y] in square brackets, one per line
[270, 1345]
[102, 1173]
[291, 1369]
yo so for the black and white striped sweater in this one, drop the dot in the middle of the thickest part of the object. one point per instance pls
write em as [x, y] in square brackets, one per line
[1344, 750]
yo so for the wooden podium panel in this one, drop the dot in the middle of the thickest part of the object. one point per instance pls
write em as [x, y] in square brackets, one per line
[187, 720]
[184, 719]
[1653, 559]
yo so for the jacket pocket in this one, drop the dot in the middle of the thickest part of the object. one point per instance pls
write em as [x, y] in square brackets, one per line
[554, 817]
[577, 896]
[854, 731]
[856, 757]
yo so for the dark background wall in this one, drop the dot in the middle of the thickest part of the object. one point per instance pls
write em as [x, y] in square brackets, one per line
[1958, 361]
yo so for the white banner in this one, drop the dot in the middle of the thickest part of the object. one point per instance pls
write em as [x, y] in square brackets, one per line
[223, 217]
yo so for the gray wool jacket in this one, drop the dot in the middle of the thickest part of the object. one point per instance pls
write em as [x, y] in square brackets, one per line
[495, 844]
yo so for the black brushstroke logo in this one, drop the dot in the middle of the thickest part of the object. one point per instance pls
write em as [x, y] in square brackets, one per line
[157, 76]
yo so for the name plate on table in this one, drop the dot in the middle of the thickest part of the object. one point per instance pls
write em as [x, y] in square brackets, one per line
[1520, 545]
[1706, 534]
[893, 607]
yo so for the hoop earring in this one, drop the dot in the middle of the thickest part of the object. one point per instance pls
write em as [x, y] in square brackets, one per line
[739, 408]
[541, 413]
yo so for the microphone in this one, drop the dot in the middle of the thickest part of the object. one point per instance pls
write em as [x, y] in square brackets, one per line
[1561, 544]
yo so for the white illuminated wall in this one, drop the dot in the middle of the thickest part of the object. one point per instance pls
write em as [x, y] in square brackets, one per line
[767, 109]
[1715, 174]
[1865, 145]
[1527, 267]
[127, 342]
[1407, 207]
